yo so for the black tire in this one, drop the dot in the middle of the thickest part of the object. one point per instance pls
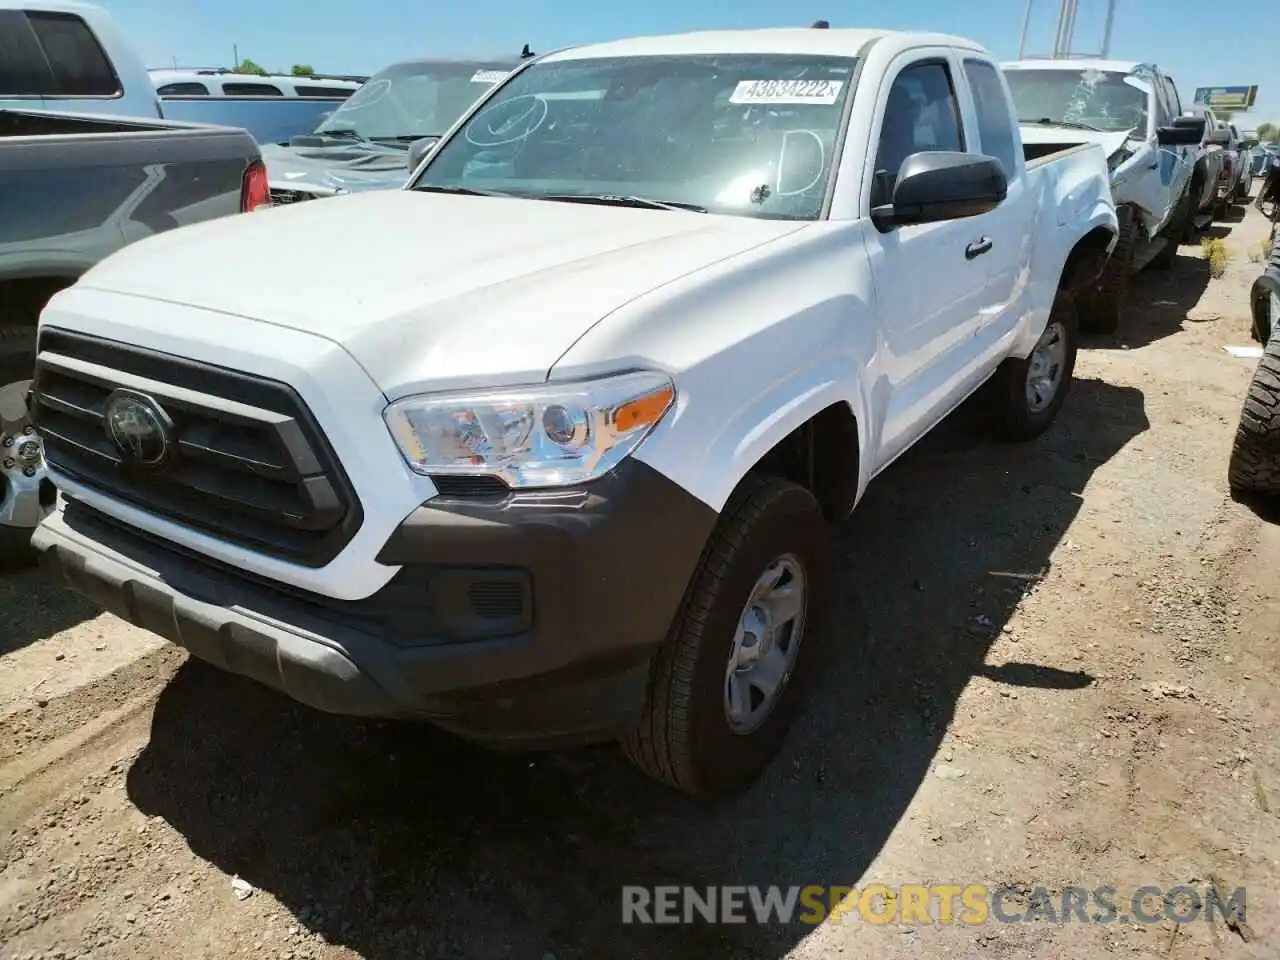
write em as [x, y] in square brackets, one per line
[1195, 190]
[1177, 228]
[683, 738]
[17, 363]
[1099, 309]
[1254, 467]
[1012, 418]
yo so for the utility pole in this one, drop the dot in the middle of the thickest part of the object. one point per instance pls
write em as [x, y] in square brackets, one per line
[1065, 31]
[235, 57]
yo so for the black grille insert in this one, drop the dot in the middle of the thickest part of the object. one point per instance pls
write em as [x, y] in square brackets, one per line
[249, 466]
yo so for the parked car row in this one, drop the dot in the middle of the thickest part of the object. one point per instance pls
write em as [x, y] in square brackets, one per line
[71, 56]
[1173, 167]
[571, 482]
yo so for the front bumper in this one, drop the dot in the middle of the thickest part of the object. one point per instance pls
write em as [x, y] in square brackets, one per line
[588, 579]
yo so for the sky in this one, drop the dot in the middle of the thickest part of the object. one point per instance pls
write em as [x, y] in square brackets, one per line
[1195, 48]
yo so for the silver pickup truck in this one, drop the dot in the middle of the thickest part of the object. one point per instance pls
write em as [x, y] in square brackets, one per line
[74, 189]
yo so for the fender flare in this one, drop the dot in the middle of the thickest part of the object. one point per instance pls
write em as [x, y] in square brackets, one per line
[759, 426]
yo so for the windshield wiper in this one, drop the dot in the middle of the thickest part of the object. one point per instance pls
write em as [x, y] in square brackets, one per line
[463, 191]
[343, 133]
[406, 138]
[1069, 124]
[642, 203]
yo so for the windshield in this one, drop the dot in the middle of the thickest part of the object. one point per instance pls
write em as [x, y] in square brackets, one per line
[1100, 99]
[745, 134]
[412, 100]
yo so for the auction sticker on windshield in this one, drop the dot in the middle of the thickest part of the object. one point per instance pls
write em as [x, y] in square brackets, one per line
[489, 76]
[787, 91]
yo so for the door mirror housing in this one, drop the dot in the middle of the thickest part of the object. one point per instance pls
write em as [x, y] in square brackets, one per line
[419, 149]
[1179, 135]
[1197, 124]
[937, 185]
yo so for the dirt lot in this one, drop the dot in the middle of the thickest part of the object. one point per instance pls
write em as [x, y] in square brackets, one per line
[1059, 667]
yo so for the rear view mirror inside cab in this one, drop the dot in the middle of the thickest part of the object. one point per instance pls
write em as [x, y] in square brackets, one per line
[942, 185]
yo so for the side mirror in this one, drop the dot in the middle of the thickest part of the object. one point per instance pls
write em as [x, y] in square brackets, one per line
[940, 185]
[419, 149]
[1179, 135]
[1192, 123]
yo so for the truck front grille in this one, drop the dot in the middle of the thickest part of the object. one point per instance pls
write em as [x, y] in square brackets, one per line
[244, 459]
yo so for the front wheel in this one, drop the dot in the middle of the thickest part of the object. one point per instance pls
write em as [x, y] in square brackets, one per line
[725, 684]
[1025, 395]
[22, 485]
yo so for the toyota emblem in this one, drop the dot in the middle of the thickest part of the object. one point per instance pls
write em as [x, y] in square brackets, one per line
[139, 427]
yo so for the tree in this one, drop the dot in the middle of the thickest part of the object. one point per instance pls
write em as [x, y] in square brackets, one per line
[302, 70]
[248, 66]
[1268, 131]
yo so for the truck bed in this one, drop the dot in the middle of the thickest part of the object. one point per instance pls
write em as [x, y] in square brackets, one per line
[75, 188]
[1038, 154]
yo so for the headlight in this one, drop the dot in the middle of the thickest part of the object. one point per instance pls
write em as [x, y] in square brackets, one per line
[1117, 158]
[549, 435]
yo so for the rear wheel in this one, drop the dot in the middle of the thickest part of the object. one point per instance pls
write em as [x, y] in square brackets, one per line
[725, 685]
[1026, 394]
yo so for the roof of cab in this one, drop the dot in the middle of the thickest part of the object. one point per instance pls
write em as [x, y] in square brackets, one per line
[833, 42]
[1073, 63]
[53, 6]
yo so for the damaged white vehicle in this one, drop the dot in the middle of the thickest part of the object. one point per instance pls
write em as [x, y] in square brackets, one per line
[1133, 111]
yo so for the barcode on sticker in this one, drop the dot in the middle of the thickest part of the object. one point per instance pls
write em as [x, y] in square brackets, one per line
[787, 91]
[489, 76]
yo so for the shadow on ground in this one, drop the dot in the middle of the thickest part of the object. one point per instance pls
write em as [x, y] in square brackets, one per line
[33, 607]
[1158, 302]
[399, 842]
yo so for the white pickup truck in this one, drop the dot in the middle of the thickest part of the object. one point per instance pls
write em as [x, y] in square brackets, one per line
[563, 470]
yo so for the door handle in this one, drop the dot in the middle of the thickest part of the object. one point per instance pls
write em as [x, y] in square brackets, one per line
[977, 248]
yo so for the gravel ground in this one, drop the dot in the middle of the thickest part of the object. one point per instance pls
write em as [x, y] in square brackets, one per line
[1058, 668]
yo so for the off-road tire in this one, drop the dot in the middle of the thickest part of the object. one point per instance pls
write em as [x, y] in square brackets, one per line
[1099, 309]
[17, 362]
[1254, 467]
[683, 738]
[1010, 418]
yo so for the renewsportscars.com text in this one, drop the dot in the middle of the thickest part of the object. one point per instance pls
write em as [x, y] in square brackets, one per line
[931, 904]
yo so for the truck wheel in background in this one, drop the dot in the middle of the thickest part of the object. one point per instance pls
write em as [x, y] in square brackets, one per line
[1025, 394]
[1099, 308]
[1179, 224]
[21, 458]
[1254, 467]
[725, 684]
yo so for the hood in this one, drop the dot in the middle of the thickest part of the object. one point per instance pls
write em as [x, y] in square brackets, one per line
[342, 167]
[1036, 133]
[431, 291]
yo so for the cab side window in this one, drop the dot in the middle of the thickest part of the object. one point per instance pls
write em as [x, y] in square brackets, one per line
[922, 114]
[995, 116]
